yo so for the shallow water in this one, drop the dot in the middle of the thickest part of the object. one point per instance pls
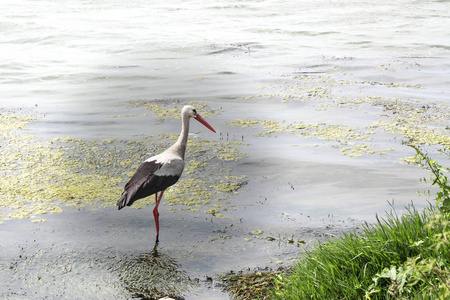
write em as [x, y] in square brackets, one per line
[75, 67]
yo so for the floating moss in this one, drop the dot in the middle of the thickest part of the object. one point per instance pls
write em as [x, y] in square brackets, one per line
[257, 285]
[270, 126]
[256, 232]
[229, 187]
[416, 121]
[39, 221]
[169, 109]
[344, 135]
[42, 176]
[127, 116]
[416, 133]
[212, 211]
[11, 122]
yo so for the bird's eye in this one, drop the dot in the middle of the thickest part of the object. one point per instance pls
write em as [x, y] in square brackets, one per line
[195, 111]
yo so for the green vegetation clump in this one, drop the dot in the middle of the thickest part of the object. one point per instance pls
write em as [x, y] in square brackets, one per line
[250, 286]
[421, 123]
[398, 257]
[12, 122]
[42, 176]
[349, 140]
[168, 109]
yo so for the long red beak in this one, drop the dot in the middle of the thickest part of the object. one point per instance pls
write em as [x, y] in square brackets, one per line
[201, 120]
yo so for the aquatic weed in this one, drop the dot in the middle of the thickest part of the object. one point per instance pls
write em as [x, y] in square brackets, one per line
[255, 285]
[41, 176]
[349, 140]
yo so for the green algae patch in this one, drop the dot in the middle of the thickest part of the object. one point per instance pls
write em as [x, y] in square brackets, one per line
[349, 140]
[11, 122]
[229, 187]
[39, 221]
[170, 109]
[256, 232]
[307, 88]
[257, 285]
[127, 116]
[212, 211]
[270, 126]
[339, 132]
[417, 134]
[40, 177]
[415, 121]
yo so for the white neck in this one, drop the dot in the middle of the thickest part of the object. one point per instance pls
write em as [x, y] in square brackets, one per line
[180, 145]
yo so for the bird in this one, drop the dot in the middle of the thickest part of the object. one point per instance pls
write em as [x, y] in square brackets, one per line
[161, 171]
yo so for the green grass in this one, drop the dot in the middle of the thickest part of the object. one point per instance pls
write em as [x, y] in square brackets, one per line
[398, 257]
[387, 261]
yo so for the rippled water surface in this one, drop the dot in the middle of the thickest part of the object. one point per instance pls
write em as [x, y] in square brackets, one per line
[330, 76]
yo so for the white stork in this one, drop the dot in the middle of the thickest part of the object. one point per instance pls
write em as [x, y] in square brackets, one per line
[159, 172]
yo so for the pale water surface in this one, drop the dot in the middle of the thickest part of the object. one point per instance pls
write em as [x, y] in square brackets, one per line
[76, 63]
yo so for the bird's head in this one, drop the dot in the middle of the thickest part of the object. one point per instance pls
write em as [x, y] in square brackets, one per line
[190, 111]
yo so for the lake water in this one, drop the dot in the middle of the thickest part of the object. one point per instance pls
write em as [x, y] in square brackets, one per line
[339, 66]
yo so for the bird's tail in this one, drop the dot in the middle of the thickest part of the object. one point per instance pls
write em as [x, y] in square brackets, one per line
[123, 201]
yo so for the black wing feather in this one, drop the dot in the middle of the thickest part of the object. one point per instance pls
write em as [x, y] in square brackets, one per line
[139, 178]
[145, 183]
[145, 170]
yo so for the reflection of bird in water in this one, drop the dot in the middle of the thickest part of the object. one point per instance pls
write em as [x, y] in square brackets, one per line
[154, 275]
[159, 172]
[157, 260]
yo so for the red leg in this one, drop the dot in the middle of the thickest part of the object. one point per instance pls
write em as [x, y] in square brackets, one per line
[156, 213]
